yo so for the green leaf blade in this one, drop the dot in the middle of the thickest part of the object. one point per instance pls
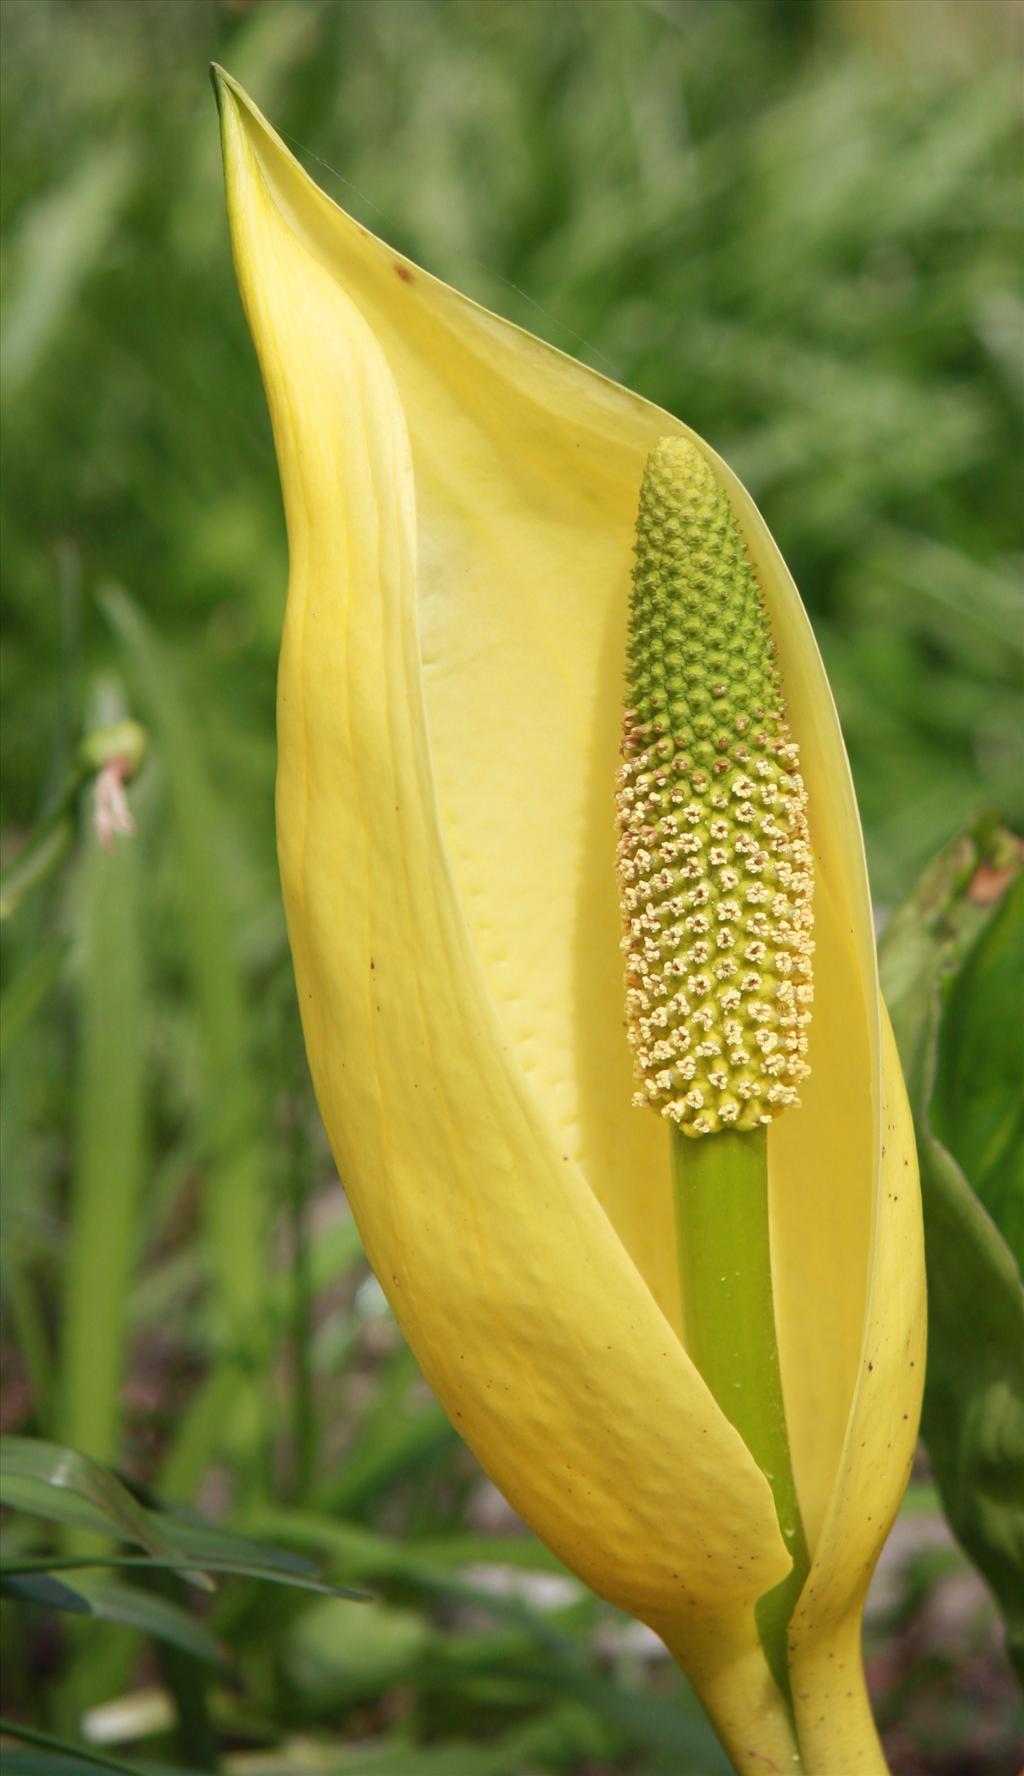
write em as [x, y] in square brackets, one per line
[947, 964]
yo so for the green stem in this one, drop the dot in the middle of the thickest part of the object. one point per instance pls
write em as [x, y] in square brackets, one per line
[303, 1415]
[721, 1200]
[106, 1186]
[185, 1677]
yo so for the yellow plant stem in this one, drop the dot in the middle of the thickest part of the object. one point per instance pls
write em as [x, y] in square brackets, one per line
[721, 1200]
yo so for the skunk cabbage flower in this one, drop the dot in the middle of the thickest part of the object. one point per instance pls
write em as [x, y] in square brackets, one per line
[461, 503]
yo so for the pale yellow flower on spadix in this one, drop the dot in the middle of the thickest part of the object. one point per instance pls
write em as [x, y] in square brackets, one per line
[460, 502]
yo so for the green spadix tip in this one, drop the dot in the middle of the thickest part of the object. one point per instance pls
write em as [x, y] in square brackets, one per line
[714, 861]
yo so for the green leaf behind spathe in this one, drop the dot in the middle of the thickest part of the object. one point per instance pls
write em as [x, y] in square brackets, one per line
[950, 965]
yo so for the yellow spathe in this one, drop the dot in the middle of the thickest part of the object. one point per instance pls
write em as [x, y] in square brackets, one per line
[460, 502]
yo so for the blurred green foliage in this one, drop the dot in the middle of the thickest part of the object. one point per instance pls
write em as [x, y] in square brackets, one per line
[952, 970]
[805, 248]
[796, 224]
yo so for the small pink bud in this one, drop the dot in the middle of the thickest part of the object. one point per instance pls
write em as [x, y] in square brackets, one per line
[110, 805]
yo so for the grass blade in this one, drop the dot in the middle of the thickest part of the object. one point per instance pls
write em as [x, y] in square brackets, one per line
[55, 1757]
[28, 991]
[41, 1588]
[270, 1573]
[53, 1482]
